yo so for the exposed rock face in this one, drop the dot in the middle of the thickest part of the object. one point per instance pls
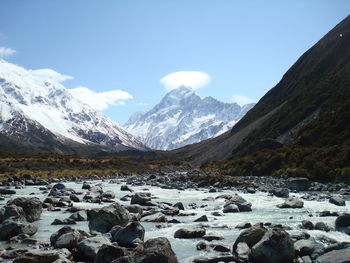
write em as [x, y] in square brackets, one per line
[182, 117]
[275, 246]
[157, 250]
[102, 220]
[32, 207]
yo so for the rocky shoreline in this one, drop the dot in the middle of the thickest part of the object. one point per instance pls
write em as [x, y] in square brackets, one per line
[116, 232]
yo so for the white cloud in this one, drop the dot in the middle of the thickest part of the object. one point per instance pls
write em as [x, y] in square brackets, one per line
[6, 52]
[193, 79]
[100, 100]
[242, 100]
[50, 74]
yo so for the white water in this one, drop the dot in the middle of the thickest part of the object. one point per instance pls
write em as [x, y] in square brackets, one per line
[263, 206]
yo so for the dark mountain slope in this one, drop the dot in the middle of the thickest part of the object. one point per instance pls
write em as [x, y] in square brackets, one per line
[309, 108]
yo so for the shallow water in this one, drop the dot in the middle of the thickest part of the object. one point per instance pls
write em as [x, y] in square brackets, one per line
[263, 206]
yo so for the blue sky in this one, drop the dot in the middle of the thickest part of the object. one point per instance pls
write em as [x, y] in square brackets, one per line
[242, 47]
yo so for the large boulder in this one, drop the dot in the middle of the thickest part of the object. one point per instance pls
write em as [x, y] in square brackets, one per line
[335, 256]
[157, 250]
[102, 220]
[280, 192]
[67, 237]
[109, 253]
[32, 207]
[8, 211]
[336, 200]
[274, 247]
[251, 235]
[15, 226]
[308, 247]
[291, 202]
[157, 218]
[230, 208]
[298, 183]
[89, 247]
[131, 235]
[189, 233]
[342, 221]
[242, 204]
[141, 199]
[41, 256]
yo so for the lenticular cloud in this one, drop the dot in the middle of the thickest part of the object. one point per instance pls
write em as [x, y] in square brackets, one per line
[193, 79]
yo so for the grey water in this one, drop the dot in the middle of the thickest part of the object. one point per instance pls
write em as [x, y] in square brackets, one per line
[263, 210]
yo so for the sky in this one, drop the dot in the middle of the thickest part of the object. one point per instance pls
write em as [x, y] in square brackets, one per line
[124, 56]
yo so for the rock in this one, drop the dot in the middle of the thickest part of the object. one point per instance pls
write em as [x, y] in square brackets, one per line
[189, 233]
[298, 183]
[306, 224]
[40, 256]
[291, 202]
[89, 247]
[8, 211]
[243, 251]
[280, 192]
[136, 209]
[108, 195]
[67, 221]
[251, 236]
[202, 218]
[231, 208]
[102, 220]
[108, 253]
[86, 186]
[307, 247]
[342, 221]
[5, 191]
[328, 213]
[217, 213]
[157, 250]
[126, 188]
[201, 245]
[131, 235]
[251, 190]
[179, 205]
[337, 201]
[335, 256]
[140, 199]
[275, 246]
[15, 226]
[215, 259]
[32, 207]
[67, 237]
[220, 248]
[242, 204]
[322, 226]
[79, 216]
[157, 217]
[59, 186]
[243, 225]
[74, 198]
[213, 236]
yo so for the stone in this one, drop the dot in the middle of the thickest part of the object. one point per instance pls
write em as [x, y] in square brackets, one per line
[140, 199]
[243, 225]
[280, 192]
[157, 217]
[15, 226]
[307, 247]
[201, 245]
[251, 236]
[213, 236]
[88, 248]
[8, 211]
[102, 220]
[335, 256]
[298, 183]
[220, 248]
[32, 207]
[275, 246]
[202, 218]
[342, 221]
[67, 237]
[243, 251]
[179, 205]
[131, 235]
[108, 195]
[231, 208]
[135, 209]
[59, 186]
[322, 226]
[79, 216]
[126, 188]
[156, 250]
[109, 253]
[67, 221]
[189, 233]
[215, 259]
[5, 191]
[291, 202]
[306, 224]
[336, 200]
[242, 204]
[40, 256]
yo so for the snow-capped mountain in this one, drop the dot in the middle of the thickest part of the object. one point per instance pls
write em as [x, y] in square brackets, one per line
[182, 117]
[39, 112]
